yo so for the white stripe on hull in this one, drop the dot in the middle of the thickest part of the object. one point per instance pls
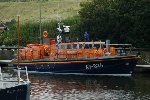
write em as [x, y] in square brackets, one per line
[33, 72]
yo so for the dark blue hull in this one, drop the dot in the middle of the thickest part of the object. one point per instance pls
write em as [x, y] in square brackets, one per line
[16, 92]
[123, 66]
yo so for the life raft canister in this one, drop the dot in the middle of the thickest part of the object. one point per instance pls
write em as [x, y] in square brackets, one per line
[45, 34]
[105, 50]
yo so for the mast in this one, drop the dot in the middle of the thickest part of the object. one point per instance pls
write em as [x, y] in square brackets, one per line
[40, 25]
[18, 38]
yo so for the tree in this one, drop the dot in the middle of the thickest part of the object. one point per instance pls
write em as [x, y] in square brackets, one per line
[125, 21]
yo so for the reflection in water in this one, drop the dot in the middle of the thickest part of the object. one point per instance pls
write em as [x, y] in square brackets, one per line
[72, 87]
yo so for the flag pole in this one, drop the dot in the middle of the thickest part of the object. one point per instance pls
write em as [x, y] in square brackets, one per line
[18, 38]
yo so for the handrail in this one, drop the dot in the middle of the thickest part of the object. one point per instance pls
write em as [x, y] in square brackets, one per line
[121, 44]
[85, 43]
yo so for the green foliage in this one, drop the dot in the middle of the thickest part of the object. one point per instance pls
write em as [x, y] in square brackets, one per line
[9, 37]
[30, 31]
[121, 21]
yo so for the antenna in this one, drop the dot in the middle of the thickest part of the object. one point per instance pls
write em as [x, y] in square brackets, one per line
[18, 38]
[40, 25]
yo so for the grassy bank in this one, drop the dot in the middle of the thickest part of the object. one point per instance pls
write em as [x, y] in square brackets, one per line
[51, 12]
[30, 11]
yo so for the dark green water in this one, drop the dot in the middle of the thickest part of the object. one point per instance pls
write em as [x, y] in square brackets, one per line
[73, 87]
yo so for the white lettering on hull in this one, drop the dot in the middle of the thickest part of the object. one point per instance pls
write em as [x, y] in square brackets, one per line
[94, 66]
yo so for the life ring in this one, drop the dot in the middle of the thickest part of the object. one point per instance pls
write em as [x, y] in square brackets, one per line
[45, 34]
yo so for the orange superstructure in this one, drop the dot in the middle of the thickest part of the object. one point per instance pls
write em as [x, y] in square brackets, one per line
[63, 51]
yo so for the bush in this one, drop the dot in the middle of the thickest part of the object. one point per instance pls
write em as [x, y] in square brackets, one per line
[121, 21]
